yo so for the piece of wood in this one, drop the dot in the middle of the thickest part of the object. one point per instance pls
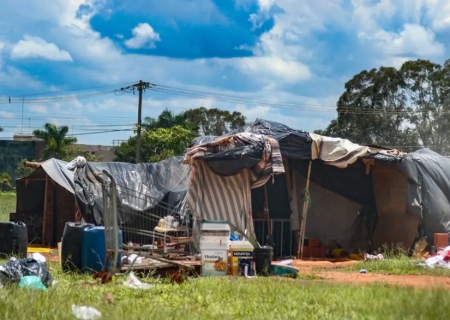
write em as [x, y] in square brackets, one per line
[29, 164]
[266, 210]
[44, 218]
[304, 215]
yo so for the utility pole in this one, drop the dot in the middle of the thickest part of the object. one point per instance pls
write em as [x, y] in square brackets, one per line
[139, 123]
[141, 86]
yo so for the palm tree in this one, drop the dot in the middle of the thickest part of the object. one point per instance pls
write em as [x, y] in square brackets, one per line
[55, 140]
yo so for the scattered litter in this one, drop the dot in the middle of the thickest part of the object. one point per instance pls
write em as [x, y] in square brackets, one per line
[131, 259]
[38, 257]
[14, 270]
[440, 260]
[54, 282]
[85, 313]
[134, 283]
[373, 257]
[288, 262]
[363, 271]
[32, 282]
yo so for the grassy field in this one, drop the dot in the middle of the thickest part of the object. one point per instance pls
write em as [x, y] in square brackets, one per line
[7, 205]
[215, 298]
[308, 297]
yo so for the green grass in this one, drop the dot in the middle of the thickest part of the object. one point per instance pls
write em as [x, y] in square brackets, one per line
[224, 298]
[7, 205]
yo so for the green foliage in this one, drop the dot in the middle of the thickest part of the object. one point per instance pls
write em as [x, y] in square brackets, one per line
[55, 140]
[71, 152]
[5, 182]
[7, 205]
[214, 122]
[22, 170]
[179, 130]
[396, 107]
[167, 119]
[165, 143]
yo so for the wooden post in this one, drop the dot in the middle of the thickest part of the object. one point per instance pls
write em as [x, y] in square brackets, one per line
[287, 173]
[44, 219]
[266, 210]
[304, 215]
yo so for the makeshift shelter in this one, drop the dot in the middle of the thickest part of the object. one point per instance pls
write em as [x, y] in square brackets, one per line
[145, 193]
[357, 196]
[45, 201]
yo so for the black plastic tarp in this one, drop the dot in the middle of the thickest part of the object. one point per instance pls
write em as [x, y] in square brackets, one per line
[140, 187]
[428, 173]
[295, 144]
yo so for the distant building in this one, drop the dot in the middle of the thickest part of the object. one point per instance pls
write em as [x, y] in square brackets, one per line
[106, 152]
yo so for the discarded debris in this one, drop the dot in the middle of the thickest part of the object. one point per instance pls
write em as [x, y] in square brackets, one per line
[440, 260]
[134, 283]
[85, 313]
[32, 282]
[363, 271]
[373, 257]
[109, 297]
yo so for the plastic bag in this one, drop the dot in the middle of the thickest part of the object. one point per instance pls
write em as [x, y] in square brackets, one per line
[14, 270]
[32, 282]
[85, 313]
[133, 282]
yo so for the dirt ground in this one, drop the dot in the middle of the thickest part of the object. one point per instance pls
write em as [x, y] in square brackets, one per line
[306, 266]
[417, 281]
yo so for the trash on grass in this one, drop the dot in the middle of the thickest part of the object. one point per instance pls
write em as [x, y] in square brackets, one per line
[134, 283]
[440, 260]
[373, 257]
[32, 282]
[85, 313]
[38, 257]
[14, 270]
[363, 271]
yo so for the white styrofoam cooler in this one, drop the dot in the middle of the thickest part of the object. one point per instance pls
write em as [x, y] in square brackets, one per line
[215, 233]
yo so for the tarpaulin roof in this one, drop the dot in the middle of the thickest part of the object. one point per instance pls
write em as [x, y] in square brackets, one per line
[428, 173]
[140, 187]
[57, 171]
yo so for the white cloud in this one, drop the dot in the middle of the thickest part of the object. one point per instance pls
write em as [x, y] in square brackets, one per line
[273, 68]
[37, 108]
[7, 115]
[413, 40]
[35, 47]
[143, 36]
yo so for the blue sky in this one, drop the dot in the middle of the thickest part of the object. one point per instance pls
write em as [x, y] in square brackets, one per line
[295, 54]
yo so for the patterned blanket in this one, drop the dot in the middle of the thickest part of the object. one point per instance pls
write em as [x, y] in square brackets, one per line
[271, 162]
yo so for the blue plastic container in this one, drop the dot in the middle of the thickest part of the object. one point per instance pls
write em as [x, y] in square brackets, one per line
[94, 249]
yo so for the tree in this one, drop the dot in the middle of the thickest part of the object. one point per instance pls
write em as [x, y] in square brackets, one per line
[157, 145]
[167, 119]
[22, 170]
[214, 121]
[71, 152]
[166, 143]
[5, 182]
[373, 110]
[55, 140]
[428, 88]
[200, 121]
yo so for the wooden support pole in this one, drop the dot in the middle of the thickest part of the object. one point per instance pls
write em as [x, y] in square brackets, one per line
[266, 210]
[304, 215]
[44, 218]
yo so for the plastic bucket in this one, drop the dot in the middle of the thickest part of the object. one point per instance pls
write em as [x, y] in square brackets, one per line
[263, 259]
